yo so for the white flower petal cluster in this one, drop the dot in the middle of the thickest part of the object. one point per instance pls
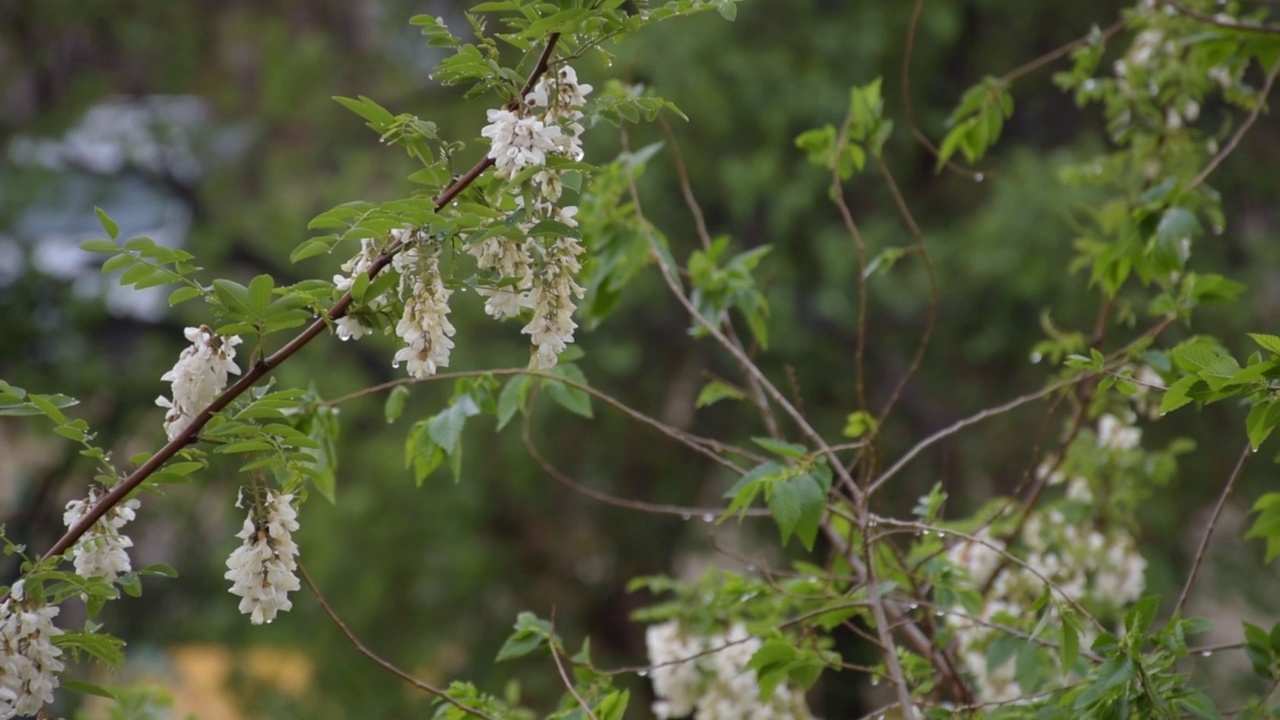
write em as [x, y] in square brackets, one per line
[424, 327]
[978, 558]
[262, 570]
[30, 667]
[552, 298]
[1116, 434]
[706, 676]
[1082, 564]
[510, 260]
[539, 273]
[349, 327]
[198, 376]
[102, 551]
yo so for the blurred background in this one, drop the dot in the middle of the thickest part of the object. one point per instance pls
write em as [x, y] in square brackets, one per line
[209, 126]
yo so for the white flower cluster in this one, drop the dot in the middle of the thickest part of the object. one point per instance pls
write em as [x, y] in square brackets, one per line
[706, 676]
[102, 551]
[349, 327]
[198, 376]
[537, 273]
[262, 569]
[1117, 434]
[424, 328]
[1082, 566]
[30, 667]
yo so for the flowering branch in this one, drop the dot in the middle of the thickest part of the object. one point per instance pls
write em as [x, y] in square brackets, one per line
[191, 433]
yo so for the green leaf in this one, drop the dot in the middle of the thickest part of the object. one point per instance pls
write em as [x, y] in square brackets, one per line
[395, 402]
[310, 248]
[1070, 643]
[715, 391]
[1270, 343]
[782, 449]
[446, 427]
[573, 399]
[233, 296]
[183, 294]
[259, 295]
[797, 505]
[113, 230]
[513, 398]
[100, 245]
[1176, 395]
[858, 424]
[531, 632]
[1199, 704]
[85, 688]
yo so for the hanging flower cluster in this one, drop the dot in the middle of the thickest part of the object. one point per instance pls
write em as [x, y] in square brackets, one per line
[706, 676]
[198, 376]
[30, 666]
[102, 551]
[262, 570]
[529, 273]
[424, 328]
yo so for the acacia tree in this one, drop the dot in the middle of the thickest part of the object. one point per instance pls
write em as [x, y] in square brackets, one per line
[1033, 606]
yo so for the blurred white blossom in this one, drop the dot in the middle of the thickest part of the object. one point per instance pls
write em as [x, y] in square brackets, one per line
[706, 677]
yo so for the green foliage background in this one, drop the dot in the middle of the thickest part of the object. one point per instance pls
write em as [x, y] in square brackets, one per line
[433, 577]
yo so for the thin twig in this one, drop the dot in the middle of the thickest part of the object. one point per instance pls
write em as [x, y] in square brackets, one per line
[608, 499]
[1213, 524]
[1239, 133]
[568, 684]
[379, 660]
[1229, 24]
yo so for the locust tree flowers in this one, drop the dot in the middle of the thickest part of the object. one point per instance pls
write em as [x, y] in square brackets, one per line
[198, 376]
[102, 551]
[527, 268]
[262, 570]
[706, 677]
[30, 665]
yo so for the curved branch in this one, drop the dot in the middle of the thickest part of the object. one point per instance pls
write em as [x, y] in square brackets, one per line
[379, 660]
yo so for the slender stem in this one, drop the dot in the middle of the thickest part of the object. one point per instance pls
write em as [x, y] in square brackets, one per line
[379, 660]
[564, 676]
[1230, 24]
[1240, 132]
[1208, 531]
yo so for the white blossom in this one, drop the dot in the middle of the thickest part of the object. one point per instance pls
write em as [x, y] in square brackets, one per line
[552, 298]
[262, 569]
[349, 328]
[30, 667]
[706, 676]
[102, 551]
[518, 141]
[978, 559]
[511, 261]
[198, 376]
[1115, 434]
[424, 327]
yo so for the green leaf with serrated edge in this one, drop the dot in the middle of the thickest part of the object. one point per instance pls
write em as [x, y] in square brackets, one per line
[797, 504]
[395, 402]
[113, 230]
[782, 449]
[446, 427]
[748, 487]
[1260, 423]
[530, 633]
[1270, 343]
[1176, 395]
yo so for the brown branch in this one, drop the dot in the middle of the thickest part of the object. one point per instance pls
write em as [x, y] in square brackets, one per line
[1061, 52]
[379, 660]
[1208, 531]
[191, 434]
